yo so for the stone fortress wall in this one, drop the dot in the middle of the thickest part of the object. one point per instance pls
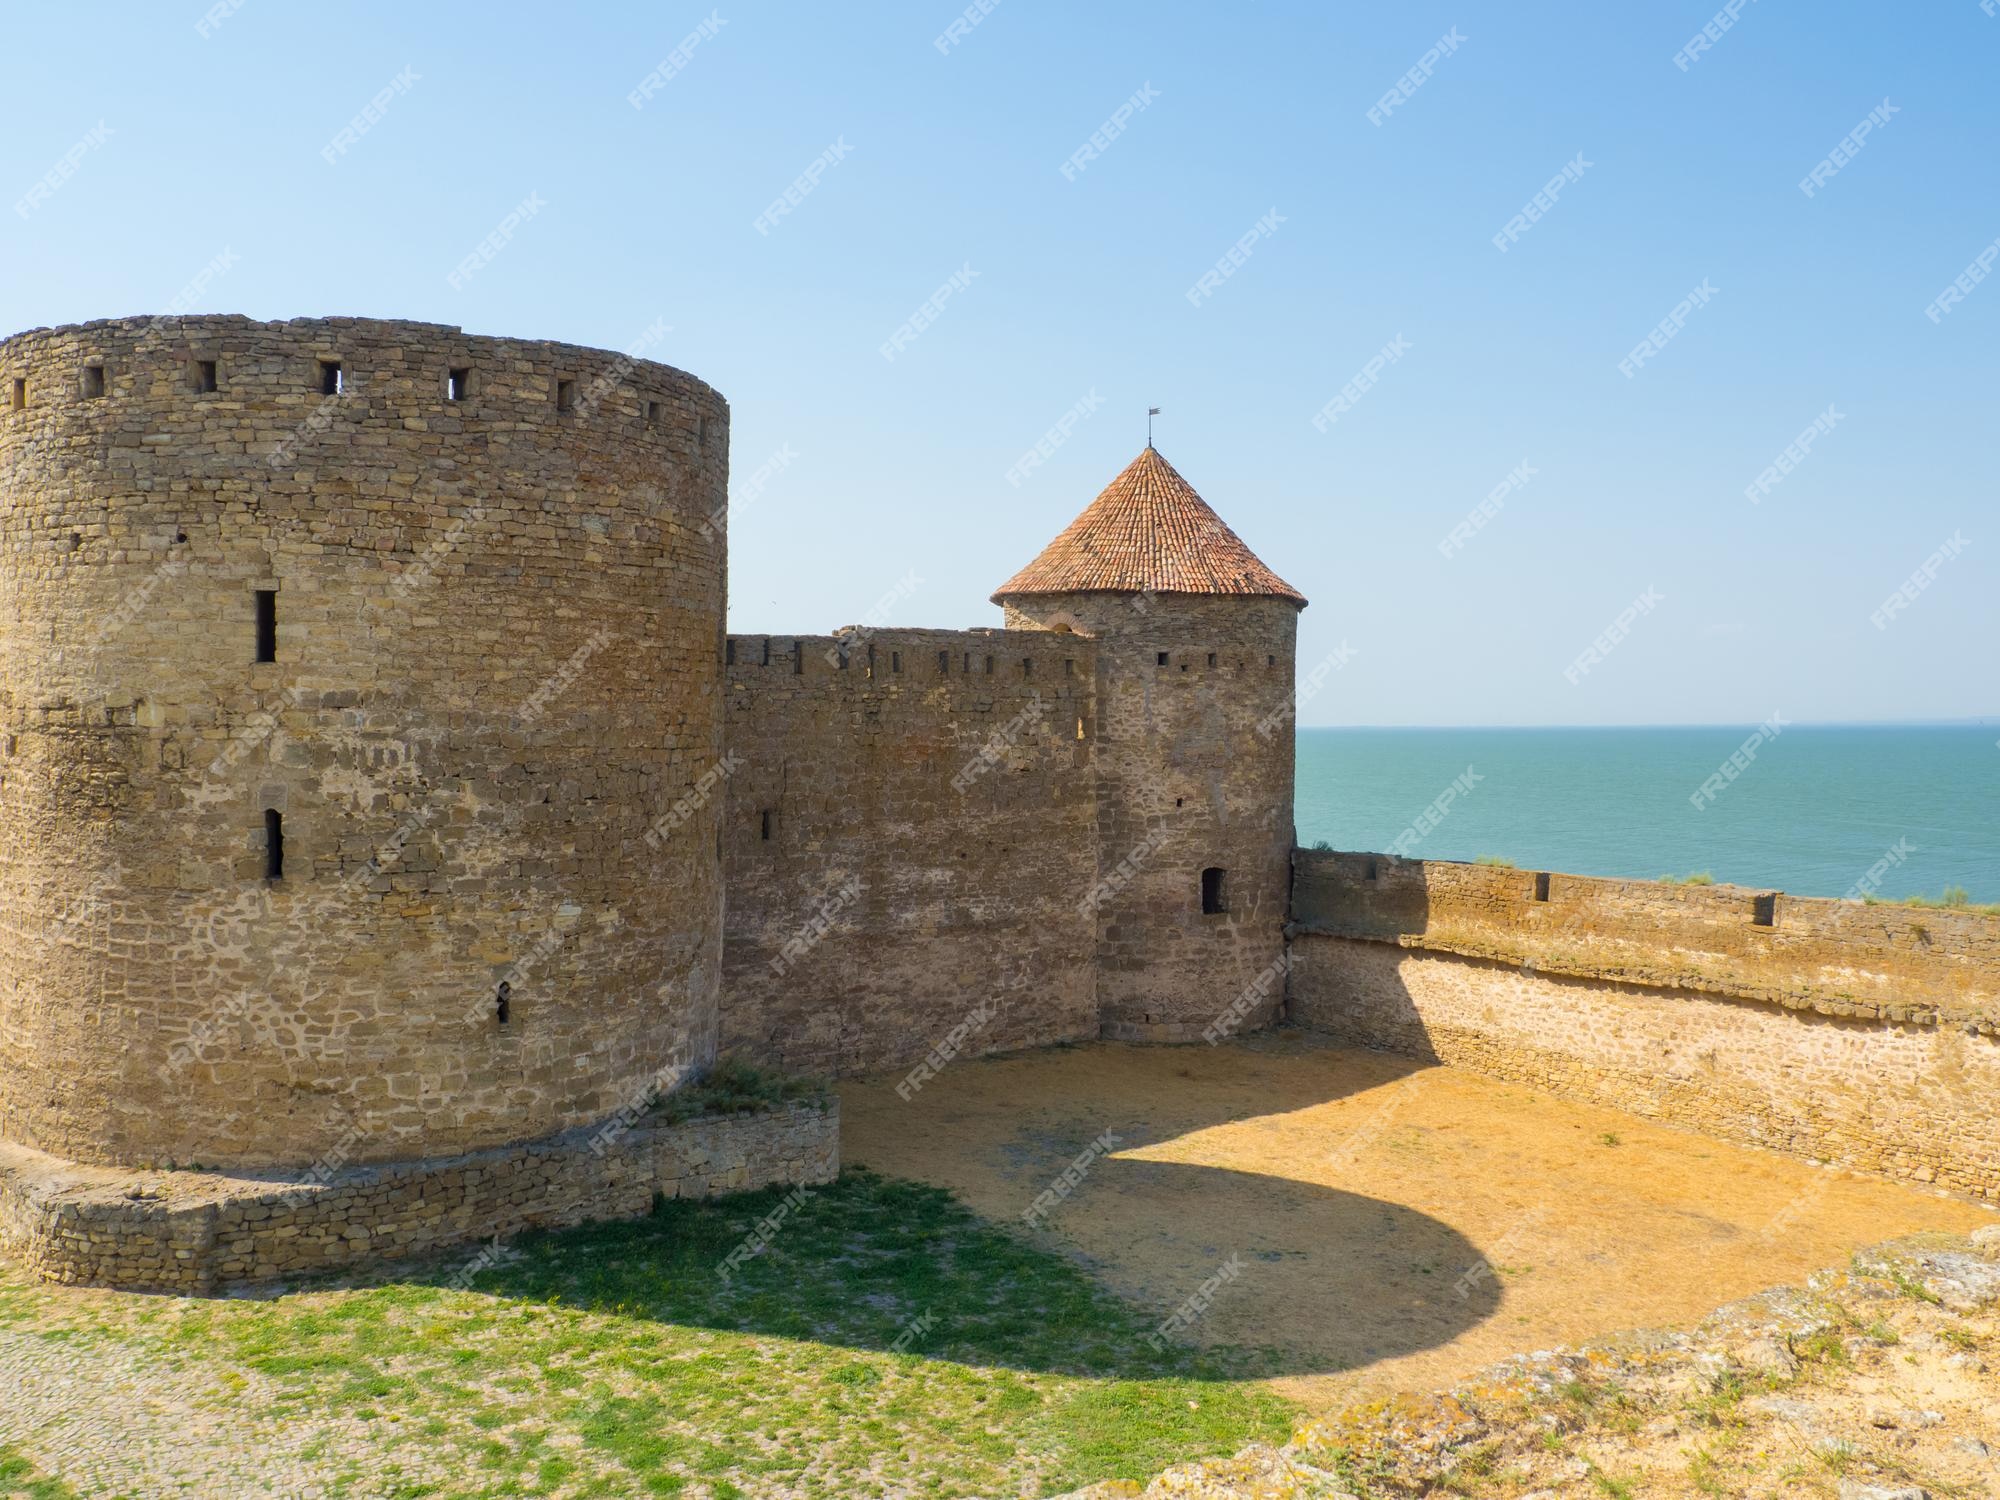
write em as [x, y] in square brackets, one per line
[384, 810]
[495, 620]
[910, 834]
[1864, 1036]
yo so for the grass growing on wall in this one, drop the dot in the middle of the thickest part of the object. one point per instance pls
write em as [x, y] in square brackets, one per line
[735, 1087]
[885, 1342]
[1953, 898]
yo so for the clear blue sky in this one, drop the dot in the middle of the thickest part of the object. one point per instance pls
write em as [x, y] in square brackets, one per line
[954, 159]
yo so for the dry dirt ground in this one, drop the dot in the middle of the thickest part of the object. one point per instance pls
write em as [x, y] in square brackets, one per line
[1385, 1226]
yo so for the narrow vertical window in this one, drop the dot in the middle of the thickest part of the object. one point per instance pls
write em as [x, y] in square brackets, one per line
[204, 377]
[20, 394]
[895, 661]
[944, 664]
[1211, 658]
[989, 666]
[456, 384]
[274, 844]
[565, 395]
[1027, 666]
[93, 382]
[729, 652]
[502, 996]
[267, 625]
[331, 381]
[1212, 894]
[652, 414]
[765, 819]
[1764, 910]
[798, 658]
[1069, 666]
[1542, 886]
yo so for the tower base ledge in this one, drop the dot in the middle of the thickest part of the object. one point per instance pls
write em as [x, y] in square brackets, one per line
[1152, 1027]
[196, 1233]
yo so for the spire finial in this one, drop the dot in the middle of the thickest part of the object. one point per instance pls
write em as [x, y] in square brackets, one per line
[1151, 412]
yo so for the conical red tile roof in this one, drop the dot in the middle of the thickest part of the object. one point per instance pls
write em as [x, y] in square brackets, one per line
[1148, 531]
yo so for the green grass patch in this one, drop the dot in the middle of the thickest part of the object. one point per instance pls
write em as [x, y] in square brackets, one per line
[885, 1341]
[19, 1477]
[734, 1087]
[1699, 877]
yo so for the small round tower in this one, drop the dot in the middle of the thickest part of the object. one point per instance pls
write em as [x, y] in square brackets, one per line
[1194, 753]
[358, 706]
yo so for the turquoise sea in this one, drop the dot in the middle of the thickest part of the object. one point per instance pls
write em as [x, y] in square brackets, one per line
[1817, 806]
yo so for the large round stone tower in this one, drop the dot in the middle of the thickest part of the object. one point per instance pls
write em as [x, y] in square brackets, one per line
[358, 718]
[1196, 642]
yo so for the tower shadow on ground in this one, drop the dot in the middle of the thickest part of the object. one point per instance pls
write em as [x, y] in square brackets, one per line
[883, 1264]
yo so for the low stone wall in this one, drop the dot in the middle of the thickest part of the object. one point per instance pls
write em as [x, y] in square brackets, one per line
[196, 1232]
[1863, 1037]
[1836, 958]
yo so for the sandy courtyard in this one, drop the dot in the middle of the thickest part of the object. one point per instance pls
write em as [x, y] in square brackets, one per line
[1393, 1226]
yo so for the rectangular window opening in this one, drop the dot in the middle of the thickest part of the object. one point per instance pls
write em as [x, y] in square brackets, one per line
[1161, 660]
[331, 381]
[764, 824]
[767, 653]
[895, 661]
[1027, 666]
[274, 844]
[93, 382]
[989, 666]
[1373, 870]
[1764, 910]
[652, 414]
[503, 997]
[944, 664]
[1542, 886]
[729, 651]
[456, 384]
[20, 394]
[1270, 661]
[565, 395]
[798, 658]
[267, 625]
[1069, 666]
[968, 664]
[205, 381]
[1212, 902]
[1211, 658]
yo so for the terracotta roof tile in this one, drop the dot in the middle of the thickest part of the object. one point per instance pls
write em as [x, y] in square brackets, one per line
[1148, 531]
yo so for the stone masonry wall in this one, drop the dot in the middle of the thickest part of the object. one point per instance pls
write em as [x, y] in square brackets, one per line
[1862, 1036]
[1194, 772]
[907, 842]
[1837, 958]
[199, 1232]
[498, 616]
